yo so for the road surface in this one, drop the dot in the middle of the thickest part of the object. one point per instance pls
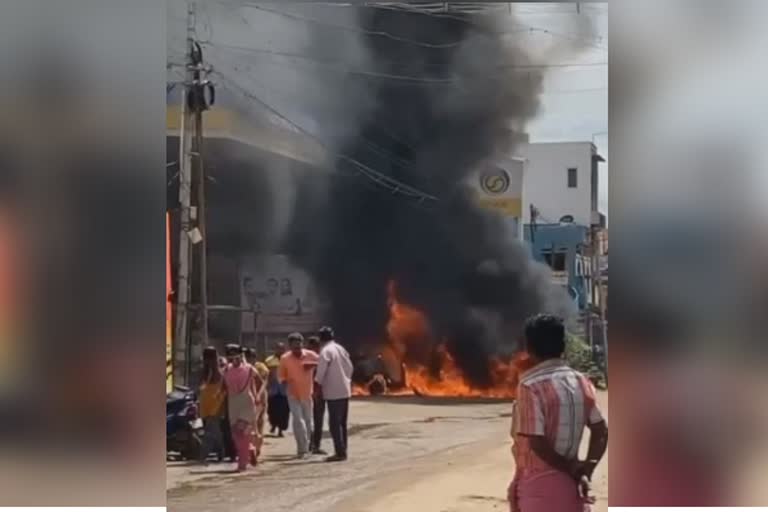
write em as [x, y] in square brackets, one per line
[406, 454]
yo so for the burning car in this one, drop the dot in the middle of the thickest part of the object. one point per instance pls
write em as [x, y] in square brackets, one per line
[374, 376]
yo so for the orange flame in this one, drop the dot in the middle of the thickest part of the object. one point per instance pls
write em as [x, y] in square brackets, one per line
[409, 332]
[406, 326]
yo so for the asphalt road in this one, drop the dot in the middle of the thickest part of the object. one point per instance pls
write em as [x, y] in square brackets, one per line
[406, 454]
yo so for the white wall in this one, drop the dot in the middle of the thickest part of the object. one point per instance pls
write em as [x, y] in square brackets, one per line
[545, 184]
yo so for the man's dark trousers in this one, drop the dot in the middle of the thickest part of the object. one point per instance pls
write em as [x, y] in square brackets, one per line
[338, 411]
[318, 410]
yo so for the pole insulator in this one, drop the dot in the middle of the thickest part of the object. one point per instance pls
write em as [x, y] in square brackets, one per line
[196, 55]
[201, 96]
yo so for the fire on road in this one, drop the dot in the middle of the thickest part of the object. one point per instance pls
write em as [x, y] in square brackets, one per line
[410, 341]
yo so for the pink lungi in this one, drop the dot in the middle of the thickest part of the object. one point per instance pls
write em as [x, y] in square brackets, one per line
[548, 491]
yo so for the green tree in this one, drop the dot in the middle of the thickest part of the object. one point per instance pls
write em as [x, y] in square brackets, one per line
[578, 354]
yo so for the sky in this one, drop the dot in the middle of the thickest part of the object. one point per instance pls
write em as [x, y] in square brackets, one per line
[574, 101]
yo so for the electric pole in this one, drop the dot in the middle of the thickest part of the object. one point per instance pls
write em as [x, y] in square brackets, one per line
[181, 335]
[194, 102]
[591, 297]
[596, 272]
[199, 105]
[598, 296]
[603, 321]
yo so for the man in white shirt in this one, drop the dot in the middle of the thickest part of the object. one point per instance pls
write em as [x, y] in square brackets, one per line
[334, 374]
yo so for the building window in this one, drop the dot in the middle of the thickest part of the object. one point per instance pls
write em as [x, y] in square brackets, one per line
[555, 260]
[573, 175]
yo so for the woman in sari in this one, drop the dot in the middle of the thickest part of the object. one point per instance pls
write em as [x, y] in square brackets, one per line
[212, 404]
[277, 410]
[244, 387]
[263, 372]
[226, 430]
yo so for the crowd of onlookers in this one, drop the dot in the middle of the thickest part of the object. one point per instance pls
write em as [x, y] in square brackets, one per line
[239, 394]
[554, 406]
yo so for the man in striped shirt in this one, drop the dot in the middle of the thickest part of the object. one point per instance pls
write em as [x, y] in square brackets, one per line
[554, 405]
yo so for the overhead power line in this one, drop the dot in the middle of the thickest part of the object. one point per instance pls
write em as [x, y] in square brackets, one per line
[425, 44]
[376, 148]
[415, 8]
[335, 26]
[576, 39]
[573, 91]
[395, 186]
[344, 67]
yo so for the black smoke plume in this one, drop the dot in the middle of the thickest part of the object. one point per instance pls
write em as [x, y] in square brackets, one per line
[449, 96]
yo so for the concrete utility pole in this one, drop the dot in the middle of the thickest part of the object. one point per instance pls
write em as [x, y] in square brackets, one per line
[200, 104]
[594, 283]
[591, 297]
[597, 293]
[181, 335]
[194, 102]
[603, 321]
[201, 211]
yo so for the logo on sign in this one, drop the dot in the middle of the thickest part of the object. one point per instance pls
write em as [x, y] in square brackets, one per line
[495, 181]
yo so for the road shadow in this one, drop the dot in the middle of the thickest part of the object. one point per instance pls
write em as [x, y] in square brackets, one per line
[357, 428]
[430, 400]
[434, 419]
[216, 472]
[297, 462]
[279, 458]
[487, 499]
[182, 463]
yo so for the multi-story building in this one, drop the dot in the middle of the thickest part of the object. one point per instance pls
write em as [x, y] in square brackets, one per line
[562, 220]
[246, 153]
[561, 179]
[564, 247]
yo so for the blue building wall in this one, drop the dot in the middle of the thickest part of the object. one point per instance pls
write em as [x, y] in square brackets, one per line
[569, 238]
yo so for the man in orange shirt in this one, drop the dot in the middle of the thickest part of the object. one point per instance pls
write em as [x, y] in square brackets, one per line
[296, 371]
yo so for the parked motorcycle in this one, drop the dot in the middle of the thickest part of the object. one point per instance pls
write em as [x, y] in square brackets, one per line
[183, 426]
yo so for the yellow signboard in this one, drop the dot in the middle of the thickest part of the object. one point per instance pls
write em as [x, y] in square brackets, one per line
[511, 206]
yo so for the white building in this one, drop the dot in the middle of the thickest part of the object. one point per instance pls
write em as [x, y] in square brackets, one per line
[561, 178]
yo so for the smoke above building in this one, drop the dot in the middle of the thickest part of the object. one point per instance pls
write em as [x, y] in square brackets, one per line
[441, 96]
